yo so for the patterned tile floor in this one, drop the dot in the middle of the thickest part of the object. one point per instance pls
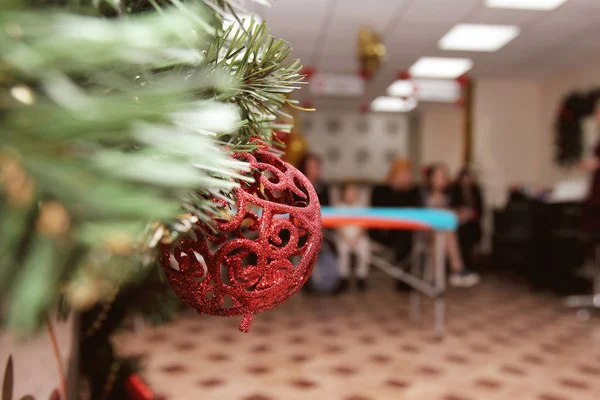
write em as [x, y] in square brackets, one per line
[503, 342]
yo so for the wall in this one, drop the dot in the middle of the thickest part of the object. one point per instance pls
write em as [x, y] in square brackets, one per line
[513, 133]
[441, 135]
[30, 369]
[507, 135]
[513, 129]
[355, 145]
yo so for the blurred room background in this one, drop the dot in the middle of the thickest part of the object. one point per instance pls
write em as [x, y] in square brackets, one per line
[481, 84]
[403, 98]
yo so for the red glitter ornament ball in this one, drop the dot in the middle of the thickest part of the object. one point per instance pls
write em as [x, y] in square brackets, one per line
[264, 248]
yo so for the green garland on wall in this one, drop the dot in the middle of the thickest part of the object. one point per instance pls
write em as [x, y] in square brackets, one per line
[568, 126]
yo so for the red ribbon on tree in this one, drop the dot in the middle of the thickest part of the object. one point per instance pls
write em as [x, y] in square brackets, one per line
[403, 76]
[308, 72]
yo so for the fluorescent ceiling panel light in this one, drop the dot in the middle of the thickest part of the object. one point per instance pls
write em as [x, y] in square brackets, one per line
[401, 88]
[477, 37]
[438, 90]
[393, 104]
[440, 67]
[526, 4]
[434, 90]
[339, 85]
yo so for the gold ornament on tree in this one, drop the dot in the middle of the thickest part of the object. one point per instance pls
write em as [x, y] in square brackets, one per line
[296, 145]
[371, 52]
[15, 183]
[296, 149]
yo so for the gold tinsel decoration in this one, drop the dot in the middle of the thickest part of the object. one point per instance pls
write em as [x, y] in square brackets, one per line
[16, 184]
[296, 145]
[371, 52]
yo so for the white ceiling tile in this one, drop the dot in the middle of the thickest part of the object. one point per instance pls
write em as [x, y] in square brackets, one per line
[444, 11]
[287, 8]
[291, 31]
[559, 25]
[356, 13]
[302, 45]
[589, 40]
[582, 5]
[324, 34]
[339, 39]
[341, 61]
[485, 15]
[293, 18]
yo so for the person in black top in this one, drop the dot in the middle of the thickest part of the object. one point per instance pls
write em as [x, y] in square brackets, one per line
[466, 199]
[310, 166]
[403, 193]
[399, 191]
[439, 195]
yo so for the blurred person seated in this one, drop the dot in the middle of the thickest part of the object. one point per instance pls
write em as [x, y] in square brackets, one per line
[424, 178]
[437, 196]
[400, 190]
[311, 166]
[466, 199]
[352, 239]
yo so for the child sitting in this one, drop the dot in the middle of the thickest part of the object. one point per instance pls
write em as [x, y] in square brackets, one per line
[352, 239]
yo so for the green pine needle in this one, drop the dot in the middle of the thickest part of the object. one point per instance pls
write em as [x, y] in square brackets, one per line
[126, 113]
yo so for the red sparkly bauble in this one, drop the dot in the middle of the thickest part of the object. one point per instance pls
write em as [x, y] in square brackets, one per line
[261, 253]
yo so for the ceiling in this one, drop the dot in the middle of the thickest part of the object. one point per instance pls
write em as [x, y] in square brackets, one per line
[323, 34]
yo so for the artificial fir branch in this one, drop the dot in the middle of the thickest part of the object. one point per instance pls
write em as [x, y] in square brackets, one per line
[120, 121]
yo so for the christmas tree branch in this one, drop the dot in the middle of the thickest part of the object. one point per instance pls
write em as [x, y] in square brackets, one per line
[111, 124]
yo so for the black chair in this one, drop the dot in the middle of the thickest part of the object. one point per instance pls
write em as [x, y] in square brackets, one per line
[542, 242]
[512, 241]
[562, 247]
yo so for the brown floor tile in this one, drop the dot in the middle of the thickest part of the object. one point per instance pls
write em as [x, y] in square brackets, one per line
[574, 384]
[259, 369]
[211, 382]
[454, 397]
[257, 397]
[344, 370]
[303, 384]
[396, 383]
[512, 370]
[488, 383]
[550, 396]
[589, 370]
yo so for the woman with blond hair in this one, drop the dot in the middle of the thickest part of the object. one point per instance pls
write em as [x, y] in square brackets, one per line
[399, 190]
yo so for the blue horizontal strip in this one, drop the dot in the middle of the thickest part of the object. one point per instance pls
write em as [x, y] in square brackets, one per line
[436, 219]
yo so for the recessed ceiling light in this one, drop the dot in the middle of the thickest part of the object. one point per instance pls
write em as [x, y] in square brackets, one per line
[401, 88]
[438, 90]
[477, 37]
[345, 85]
[526, 4]
[434, 90]
[393, 104]
[440, 67]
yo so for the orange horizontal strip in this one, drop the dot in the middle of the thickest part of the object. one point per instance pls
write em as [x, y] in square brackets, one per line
[338, 222]
[137, 388]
